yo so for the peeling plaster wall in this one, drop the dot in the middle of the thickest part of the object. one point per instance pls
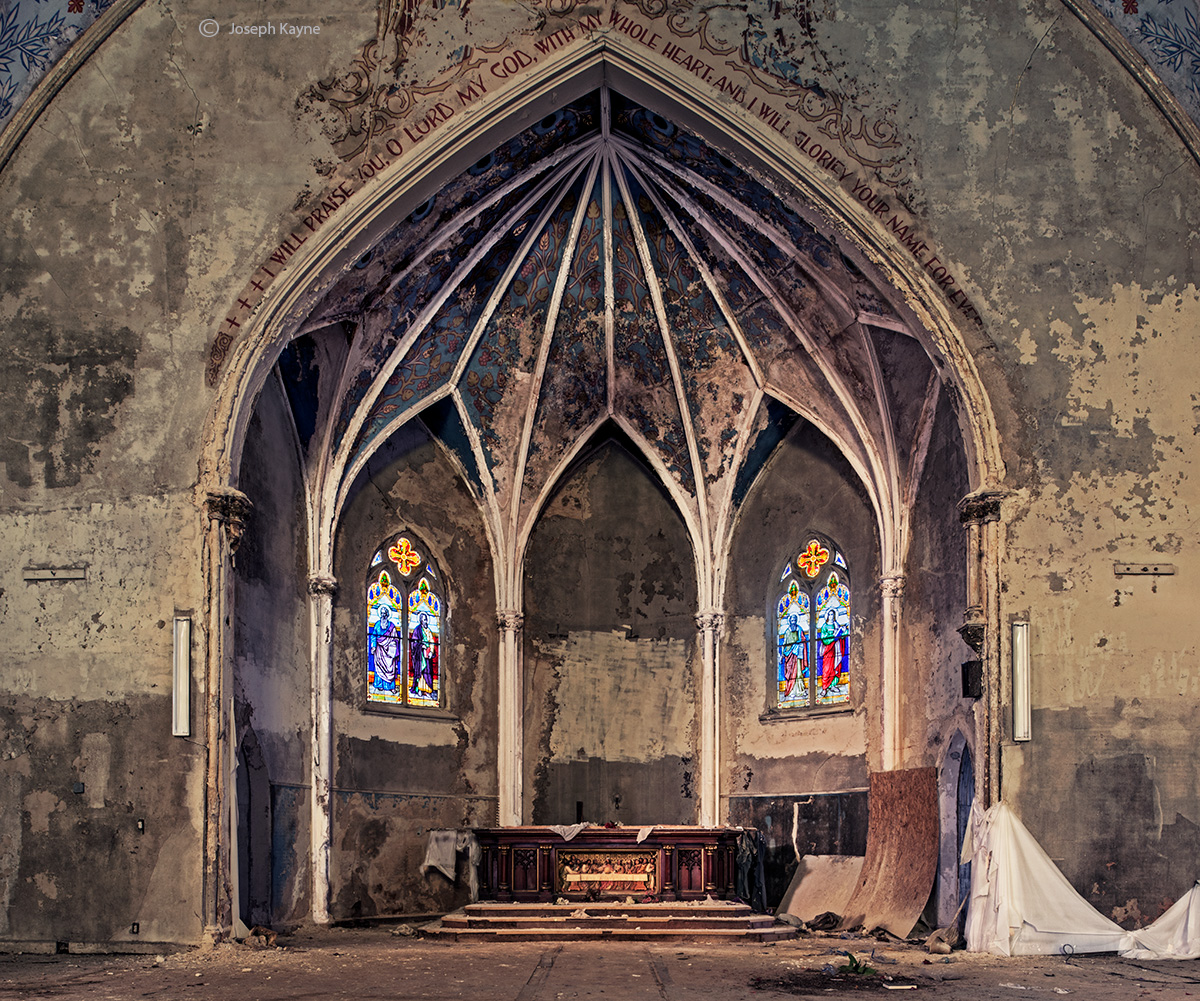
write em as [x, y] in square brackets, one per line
[73, 865]
[86, 669]
[125, 219]
[396, 777]
[937, 722]
[170, 165]
[272, 674]
[935, 593]
[772, 767]
[610, 663]
[1112, 765]
[1058, 189]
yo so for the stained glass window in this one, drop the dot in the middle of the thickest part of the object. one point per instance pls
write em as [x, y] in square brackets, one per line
[406, 618]
[811, 623]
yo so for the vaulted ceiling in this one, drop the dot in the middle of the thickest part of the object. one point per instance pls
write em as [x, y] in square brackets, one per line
[607, 266]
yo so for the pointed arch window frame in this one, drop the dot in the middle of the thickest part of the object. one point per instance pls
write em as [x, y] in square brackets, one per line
[404, 577]
[813, 562]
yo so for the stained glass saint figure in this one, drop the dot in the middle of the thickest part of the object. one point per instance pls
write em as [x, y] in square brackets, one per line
[405, 625]
[793, 628]
[384, 661]
[812, 629]
[424, 641]
[833, 642]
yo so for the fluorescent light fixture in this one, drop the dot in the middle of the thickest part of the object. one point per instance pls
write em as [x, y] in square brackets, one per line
[1022, 715]
[181, 678]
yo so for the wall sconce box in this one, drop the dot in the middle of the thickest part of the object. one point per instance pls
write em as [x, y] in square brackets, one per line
[1022, 712]
[181, 678]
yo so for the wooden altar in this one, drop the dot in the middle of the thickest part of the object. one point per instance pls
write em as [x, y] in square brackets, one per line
[670, 863]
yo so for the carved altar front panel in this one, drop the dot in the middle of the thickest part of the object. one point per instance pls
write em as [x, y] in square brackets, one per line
[616, 871]
[667, 863]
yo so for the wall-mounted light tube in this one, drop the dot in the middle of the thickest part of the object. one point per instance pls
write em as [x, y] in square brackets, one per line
[1022, 715]
[181, 678]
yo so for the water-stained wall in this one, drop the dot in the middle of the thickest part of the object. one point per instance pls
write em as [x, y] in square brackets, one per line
[801, 780]
[1109, 781]
[398, 776]
[610, 673]
[1035, 204]
[272, 674]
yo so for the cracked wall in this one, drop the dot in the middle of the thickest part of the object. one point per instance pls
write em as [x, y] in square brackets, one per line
[169, 168]
[610, 717]
[396, 777]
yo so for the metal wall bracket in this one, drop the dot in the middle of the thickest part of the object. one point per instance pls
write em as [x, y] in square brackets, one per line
[1143, 569]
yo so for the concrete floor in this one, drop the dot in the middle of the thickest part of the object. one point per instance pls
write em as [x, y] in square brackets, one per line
[375, 963]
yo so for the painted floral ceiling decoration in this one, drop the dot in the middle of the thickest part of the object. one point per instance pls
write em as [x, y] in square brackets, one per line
[603, 270]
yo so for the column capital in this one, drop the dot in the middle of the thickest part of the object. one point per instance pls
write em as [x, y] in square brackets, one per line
[229, 507]
[227, 504]
[981, 507]
[974, 628]
[322, 584]
[510, 619]
[891, 585]
[709, 619]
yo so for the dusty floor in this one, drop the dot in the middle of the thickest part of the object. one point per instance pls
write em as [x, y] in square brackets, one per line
[375, 963]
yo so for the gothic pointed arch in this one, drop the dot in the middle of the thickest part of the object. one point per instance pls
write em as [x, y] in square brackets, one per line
[605, 265]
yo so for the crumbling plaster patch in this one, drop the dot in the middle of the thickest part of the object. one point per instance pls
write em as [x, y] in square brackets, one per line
[41, 805]
[93, 765]
[80, 867]
[620, 699]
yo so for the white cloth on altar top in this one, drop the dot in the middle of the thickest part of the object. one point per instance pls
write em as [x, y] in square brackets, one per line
[568, 831]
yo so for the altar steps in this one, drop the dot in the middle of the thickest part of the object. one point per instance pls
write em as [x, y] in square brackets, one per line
[683, 922]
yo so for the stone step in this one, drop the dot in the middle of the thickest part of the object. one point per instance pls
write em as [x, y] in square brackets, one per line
[712, 921]
[774, 933]
[684, 922]
[715, 908]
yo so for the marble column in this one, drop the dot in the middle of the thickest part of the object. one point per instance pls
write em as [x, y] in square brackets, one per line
[891, 590]
[511, 748]
[709, 625]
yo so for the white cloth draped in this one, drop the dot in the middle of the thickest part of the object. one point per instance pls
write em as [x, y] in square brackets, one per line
[1022, 905]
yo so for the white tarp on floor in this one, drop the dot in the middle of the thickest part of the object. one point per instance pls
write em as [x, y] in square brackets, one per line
[1176, 935]
[1021, 905]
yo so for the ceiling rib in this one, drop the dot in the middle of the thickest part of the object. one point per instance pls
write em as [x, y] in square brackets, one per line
[426, 316]
[654, 284]
[548, 330]
[714, 290]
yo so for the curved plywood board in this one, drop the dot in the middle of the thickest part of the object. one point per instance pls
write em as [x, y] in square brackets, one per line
[902, 851]
[821, 884]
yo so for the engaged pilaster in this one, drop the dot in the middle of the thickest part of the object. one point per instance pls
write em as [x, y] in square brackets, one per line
[321, 590]
[980, 513]
[226, 511]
